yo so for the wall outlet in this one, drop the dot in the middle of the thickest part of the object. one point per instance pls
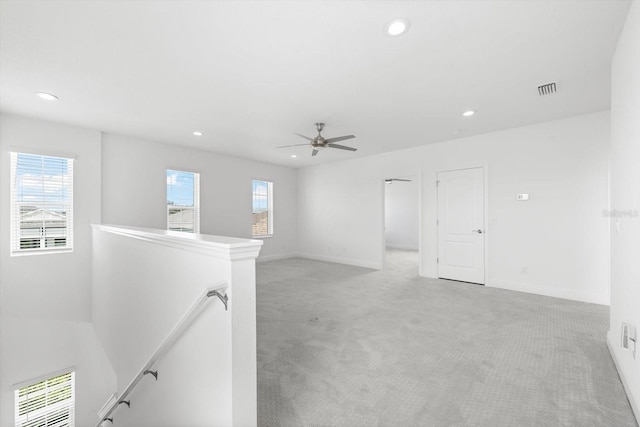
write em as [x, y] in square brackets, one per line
[629, 338]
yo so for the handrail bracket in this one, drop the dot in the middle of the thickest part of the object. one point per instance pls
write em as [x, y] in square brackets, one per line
[224, 298]
[154, 373]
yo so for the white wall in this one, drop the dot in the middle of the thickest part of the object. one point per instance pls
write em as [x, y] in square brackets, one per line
[560, 234]
[134, 190]
[189, 389]
[31, 284]
[401, 214]
[625, 196]
[45, 300]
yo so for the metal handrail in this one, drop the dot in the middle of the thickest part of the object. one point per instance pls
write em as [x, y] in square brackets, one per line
[168, 342]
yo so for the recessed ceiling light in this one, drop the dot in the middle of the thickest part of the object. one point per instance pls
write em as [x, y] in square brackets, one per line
[397, 27]
[47, 96]
[468, 113]
[196, 133]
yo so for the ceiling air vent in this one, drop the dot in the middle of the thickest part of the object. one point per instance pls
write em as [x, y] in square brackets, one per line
[547, 89]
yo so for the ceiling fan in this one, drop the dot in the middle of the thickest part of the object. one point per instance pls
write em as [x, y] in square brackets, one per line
[319, 142]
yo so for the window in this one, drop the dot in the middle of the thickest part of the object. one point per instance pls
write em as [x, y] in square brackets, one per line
[183, 201]
[262, 208]
[41, 203]
[47, 403]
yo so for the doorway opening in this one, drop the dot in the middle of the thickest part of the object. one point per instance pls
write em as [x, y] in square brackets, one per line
[401, 227]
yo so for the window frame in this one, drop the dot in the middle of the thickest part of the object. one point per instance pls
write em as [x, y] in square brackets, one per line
[196, 200]
[30, 416]
[15, 206]
[270, 230]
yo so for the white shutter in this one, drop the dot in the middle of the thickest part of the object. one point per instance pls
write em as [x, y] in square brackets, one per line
[47, 403]
[183, 201]
[41, 203]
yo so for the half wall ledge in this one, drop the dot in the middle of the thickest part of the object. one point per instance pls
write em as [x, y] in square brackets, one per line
[222, 247]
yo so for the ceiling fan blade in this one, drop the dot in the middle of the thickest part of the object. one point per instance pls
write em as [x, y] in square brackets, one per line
[342, 147]
[294, 145]
[338, 138]
[314, 152]
[305, 137]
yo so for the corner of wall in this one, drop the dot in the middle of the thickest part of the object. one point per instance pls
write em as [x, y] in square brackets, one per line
[625, 201]
[633, 400]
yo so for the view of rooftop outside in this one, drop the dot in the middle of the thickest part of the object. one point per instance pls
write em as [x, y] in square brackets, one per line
[42, 227]
[261, 223]
[180, 218]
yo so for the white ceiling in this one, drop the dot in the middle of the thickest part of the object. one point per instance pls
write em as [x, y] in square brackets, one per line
[250, 73]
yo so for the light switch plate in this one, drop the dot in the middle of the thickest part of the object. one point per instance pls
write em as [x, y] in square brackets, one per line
[522, 197]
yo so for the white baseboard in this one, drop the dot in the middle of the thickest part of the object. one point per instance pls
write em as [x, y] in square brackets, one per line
[404, 247]
[635, 404]
[264, 258]
[340, 260]
[550, 292]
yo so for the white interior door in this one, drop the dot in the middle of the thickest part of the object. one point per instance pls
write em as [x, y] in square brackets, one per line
[461, 225]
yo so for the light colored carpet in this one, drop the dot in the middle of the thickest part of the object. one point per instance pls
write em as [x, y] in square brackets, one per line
[348, 346]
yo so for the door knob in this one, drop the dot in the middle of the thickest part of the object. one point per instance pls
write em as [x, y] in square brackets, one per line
[477, 231]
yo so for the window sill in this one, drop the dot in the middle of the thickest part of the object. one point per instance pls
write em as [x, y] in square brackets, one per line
[266, 236]
[41, 252]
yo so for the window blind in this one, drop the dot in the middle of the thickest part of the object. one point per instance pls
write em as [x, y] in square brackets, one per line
[47, 403]
[41, 203]
[183, 201]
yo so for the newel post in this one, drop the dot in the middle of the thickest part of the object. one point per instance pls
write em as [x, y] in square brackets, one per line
[242, 307]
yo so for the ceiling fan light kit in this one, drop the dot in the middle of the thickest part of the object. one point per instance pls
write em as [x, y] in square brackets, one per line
[320, 143]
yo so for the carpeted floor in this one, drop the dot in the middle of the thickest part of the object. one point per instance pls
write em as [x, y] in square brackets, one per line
[348, 346]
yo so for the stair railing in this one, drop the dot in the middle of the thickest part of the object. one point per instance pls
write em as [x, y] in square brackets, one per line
[173, 336]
